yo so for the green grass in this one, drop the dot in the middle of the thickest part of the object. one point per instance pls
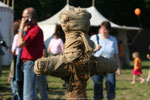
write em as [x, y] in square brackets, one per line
[124, 89]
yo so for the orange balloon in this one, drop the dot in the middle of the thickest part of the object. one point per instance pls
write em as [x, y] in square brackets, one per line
[137, 11]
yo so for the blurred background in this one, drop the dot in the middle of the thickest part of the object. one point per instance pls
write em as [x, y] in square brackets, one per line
[120, 12]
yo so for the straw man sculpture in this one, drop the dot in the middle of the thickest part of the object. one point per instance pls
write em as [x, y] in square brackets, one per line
[76, 63]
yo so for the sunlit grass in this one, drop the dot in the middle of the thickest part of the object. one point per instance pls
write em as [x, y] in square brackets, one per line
[124, 89]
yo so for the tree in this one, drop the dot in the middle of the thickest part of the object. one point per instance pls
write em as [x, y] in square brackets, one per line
[118, 11]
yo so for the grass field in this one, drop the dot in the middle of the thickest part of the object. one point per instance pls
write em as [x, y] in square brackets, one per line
[124, 89]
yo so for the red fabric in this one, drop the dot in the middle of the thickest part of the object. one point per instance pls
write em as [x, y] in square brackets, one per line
[121, 50]
[34, 44]
[137, 71]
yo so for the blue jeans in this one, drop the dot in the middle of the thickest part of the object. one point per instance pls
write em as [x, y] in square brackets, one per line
[16, 89]
[41, 86]
[29, 91]
[110, 82]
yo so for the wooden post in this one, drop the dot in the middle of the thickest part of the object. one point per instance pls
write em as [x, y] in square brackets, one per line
[13, 3]
[8, 2]
[67, 1]
[93, 2]
[4, 1]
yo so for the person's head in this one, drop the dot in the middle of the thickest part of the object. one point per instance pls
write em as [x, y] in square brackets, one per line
[135, 55]
[16, 26]
[105, 28]
[31, 14]
[56, 34]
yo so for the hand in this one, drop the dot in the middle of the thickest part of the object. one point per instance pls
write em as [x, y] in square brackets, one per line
[22, 23]
[148, 56]
[9, 78]
[97, 48]
[118, 71]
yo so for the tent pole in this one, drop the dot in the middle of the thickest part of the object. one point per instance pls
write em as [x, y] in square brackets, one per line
[93, 2]
[12, 4]
[7, 2]
[136, 36]
[4, 1]
[67, 1]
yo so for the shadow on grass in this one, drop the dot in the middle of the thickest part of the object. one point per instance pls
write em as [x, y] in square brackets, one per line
[4, 98]
[9, 98]
[5, 90]
[4, 73]
[131, 67]
[125, 80]
[59, 91]
[123, 88]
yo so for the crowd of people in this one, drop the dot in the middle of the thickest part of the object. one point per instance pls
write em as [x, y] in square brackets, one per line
[28, 46]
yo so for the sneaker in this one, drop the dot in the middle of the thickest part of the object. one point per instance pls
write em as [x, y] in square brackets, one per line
[133, 82]
[148, 80]
[143, 80]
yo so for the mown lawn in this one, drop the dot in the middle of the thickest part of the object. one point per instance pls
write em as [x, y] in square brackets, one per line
[124, 89]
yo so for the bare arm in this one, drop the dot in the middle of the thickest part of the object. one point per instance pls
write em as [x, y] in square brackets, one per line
[62, 48]
[119, 64]
[48, 50]
[21, 31]
[97, 48]
[21, 42]
[13, 52]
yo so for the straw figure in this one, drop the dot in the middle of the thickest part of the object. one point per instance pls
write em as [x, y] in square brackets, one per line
[76, 63]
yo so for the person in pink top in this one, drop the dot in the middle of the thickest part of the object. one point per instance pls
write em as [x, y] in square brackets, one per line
[55, 45]
[14, 48]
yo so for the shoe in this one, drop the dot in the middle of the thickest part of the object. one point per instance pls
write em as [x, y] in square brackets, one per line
[148, 80]
[143, 80]
[133, 82]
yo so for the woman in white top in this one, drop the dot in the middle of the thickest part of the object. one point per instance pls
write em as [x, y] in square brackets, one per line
[55, 45]
[106, 46]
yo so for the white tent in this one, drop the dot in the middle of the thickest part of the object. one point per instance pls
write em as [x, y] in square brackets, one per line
[6, 31]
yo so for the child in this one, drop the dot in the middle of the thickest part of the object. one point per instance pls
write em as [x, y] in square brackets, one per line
[137, 71]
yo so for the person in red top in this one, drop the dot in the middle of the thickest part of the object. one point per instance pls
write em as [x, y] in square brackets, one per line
[137, 70]
[121, 52]
[31, 41]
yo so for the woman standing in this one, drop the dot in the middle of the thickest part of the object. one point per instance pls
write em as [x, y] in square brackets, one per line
[106, 46]
[15, 84]
[56, 44]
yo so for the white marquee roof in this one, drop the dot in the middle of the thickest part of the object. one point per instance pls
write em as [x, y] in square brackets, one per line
[96, 20]
[2, 4]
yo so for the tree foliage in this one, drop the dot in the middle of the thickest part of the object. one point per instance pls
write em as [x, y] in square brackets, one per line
[118, 11]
